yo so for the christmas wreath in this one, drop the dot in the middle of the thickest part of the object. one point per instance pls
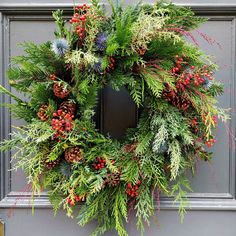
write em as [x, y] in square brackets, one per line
[142, 49]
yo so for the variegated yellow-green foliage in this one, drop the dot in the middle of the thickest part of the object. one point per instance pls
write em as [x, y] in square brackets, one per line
[142, 49]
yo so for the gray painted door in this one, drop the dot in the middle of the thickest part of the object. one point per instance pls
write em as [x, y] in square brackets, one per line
[213, 204]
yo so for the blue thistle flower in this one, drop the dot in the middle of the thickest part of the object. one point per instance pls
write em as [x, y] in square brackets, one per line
[65, 169]
[97, 67]
[101, 41]
[60, 47]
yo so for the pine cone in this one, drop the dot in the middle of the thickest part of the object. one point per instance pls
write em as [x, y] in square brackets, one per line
[74, 154]
[68, 107]
[175, 99]
[181, 103]
[60, 91]
[130, 147]
[42, 113]
[113, 179]
[51, 164]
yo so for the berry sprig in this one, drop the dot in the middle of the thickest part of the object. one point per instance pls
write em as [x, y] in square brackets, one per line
[72, 200]
[210, 142]
[82, 8]
[201, 75]
[189, 75]
[179, 64]
[61, 123]
[132, 190]
[79, 20]
[111, 66]
[99, 164]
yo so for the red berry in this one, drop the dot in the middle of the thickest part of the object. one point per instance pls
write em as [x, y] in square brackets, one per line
[129, 185]
[83, 18]
[77, 198]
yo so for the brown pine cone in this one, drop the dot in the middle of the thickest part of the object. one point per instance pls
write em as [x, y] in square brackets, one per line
[181, 103]
[42, 113]
[68, 107]
[74, 154]
[113, 179]
[176, 99]
[60, 91]
[51, 164]
[130, 147]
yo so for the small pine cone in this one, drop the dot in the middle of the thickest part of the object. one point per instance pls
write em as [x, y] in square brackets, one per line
[130, 147]
[51, 164]
[181, 103]
[68, 107]
[42, 113]
[60, 91]
[175, 99]
[74, 154]
[113, 179]
[169, 94]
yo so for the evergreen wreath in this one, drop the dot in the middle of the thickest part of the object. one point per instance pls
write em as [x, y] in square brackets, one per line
[142, 49]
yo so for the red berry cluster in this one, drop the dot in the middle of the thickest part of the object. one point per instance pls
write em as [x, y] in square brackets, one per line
[111, 66]
[61, 123]
[83, 7]
[195, 77]
[99, 164]
[72, 200]
[183, 82]
[210, 142]
[201, 75]
[53, 77]
[178, 65]
[132, 191]
[79, 19]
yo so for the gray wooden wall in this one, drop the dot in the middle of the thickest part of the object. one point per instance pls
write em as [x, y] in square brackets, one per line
[213, 205]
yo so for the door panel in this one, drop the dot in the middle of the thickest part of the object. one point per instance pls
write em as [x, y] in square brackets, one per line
[214, 183]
